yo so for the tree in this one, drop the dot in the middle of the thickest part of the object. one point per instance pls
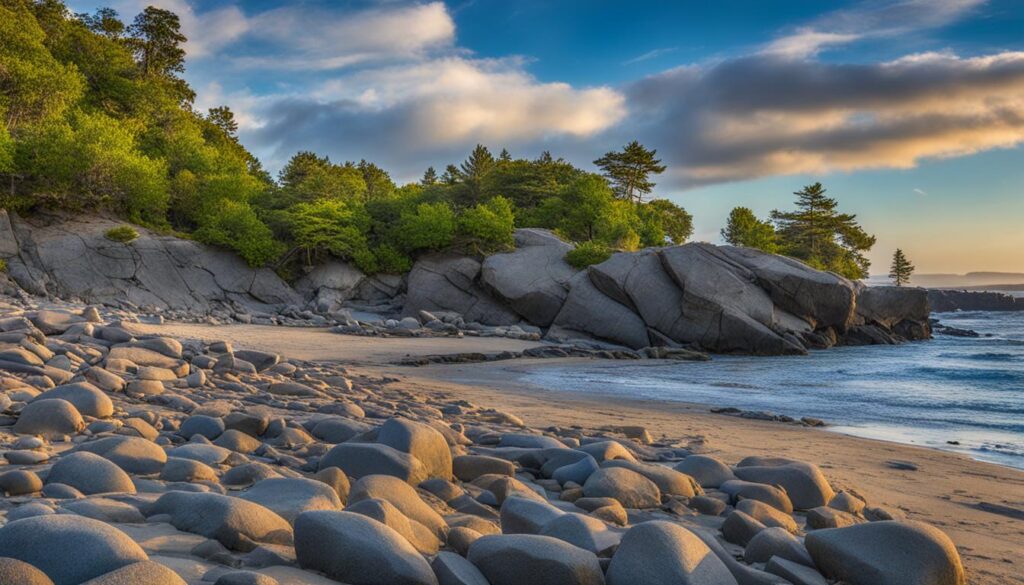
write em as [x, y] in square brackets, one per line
[821, 236]
[489, 225]
[744, 229]
[157, 40]
[429, 177]
[674, 222]
[105, 21]
[378, 182]
[474, 171]
[629, 170]
[223, 118]
[451, 175]
[901, 269]
[578, 210]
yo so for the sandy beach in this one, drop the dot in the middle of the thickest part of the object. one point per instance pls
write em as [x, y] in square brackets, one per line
[980, 505]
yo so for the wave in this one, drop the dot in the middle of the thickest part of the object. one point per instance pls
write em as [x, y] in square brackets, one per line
[986, 356]
[970, 374]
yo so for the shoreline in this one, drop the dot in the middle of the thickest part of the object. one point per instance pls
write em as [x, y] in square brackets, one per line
[980, 505]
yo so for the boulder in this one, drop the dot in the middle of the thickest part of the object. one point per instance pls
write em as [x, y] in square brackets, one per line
[289, 497]
[631, 489]
[470, 467]
[795, 573]
[90, 474]
[767, 515]
[804, 483]
[357, 550]
[69, 549]
[663, 553]
[589, 311]
[447, 282]
[88, 399]
[421, 441]
[132, 454]
[200, 424]
[52, 419]
[20, 482]
[451, 569]
[777, 542]
[583, 531]
[769, 494]
[402, 496]
[384, 512]
[526, 516]
[236, 523]
[329, 285]
[512, 559]
[141, 573]
[887, 553]
[15, 572]
[708, 471]
[187, 470]
[534, 279]
[668, 480]
[361, 459]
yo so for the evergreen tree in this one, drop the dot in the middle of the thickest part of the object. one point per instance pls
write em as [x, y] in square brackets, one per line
[378, 182]
[223, 118]
[157, 41]
[451, 176]
[744, 229]
[901, 269]
[429, 177]
[821, 236]
[105, 21]
[629, 171]
[474, 172]
[505, 156]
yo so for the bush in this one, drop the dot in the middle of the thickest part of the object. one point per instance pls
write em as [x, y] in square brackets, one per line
[121, 233]
[235, 226]
[588, 253]
[430, 227]
[489, 224]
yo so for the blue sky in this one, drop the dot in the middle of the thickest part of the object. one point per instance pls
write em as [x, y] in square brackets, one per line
[911, 112]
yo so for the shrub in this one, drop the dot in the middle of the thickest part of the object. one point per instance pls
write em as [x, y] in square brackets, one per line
[430, 227]
[489, 224]
[235, 226]
[588, 253]
[121, 233]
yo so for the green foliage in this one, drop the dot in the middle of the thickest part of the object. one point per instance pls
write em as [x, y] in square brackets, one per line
[821, 236]
[744, 229]
[3, 265]
[6, 150]
[489, 225]
[335, 227]
[122, 234]
[431, 226]
[235, 225]
[674, 222]
[629, 170]
[901, 268]
[586, 254]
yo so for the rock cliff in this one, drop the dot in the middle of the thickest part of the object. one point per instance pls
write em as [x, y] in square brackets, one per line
[712, 298]
[943, 301]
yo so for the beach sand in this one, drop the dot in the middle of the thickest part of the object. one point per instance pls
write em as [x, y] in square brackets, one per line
[979, 505]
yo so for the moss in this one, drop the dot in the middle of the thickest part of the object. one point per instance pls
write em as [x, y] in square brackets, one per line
[122, 233]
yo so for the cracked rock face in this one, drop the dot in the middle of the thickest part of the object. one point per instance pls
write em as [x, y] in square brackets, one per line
[74, 260]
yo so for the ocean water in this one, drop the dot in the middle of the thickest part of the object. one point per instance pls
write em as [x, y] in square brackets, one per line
[929, 393]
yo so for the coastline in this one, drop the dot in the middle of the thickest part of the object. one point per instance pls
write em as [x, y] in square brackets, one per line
[980, 505]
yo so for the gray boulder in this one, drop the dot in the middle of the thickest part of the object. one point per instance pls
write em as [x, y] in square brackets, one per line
[421, 442]
[589, 311]
[445, 282]
[887, 553]
[804, 483]
[69, 549]
[357, 550]
[90, 474]
[15, 572]
[631, 489]
[362, 459]
[141, 573]
[534, 279]
[329, 285]
[132, 454]
[512, 559]
[451, 569]
[88, 399]
[236, 523]
[52, 419]
[289, 497]
[663, 553]
[710, 472]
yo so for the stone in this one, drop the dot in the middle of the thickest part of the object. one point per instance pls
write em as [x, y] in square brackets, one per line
[668, 480]
[589, 311]
[132, 454]
[52, 419]
[337, 480]
[402, 496]
[106, 510]
[447, 282]
[338, 430]
[261, 359]
[512, 559]
[290, 496]
[384, 512]
[525, 516]
[777, 542]
[795, 573]
[15, 572]
[208, 454]
[887, 553]
[451, 569]
[739, 528]
[90, 474]
[767, 515]
[470, 467]
[237, 441]
[206, 426]
[825, 517]
[577, 473]
[708, 471]
[245, 578]
[104, 379]
[804, 483]
[420, 441]
[583, 531]
[292, 389]
[631, 489]
[663, 553]
[20, 482]
[361, 459]
[847, 502]
[769, 494]
[533, 279]
[187, 470]
[69, 549]
[141, 573]
[357, 550]
[236, 523]
[603, 451]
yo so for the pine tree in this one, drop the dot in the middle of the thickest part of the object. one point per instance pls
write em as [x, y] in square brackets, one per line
[157, 42]
[901, 268]
[629, 171]
[745, 229]
[821, 236]
[474, 173]
[224, 118]
[505, 156]
[429, 177]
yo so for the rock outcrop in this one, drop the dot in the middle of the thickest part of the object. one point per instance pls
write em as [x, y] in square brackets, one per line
[944, 301]
[72, 259]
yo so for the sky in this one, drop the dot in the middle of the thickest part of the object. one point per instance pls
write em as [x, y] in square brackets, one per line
[910, 112]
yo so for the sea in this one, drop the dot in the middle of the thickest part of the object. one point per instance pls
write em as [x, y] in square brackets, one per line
[954, 393]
